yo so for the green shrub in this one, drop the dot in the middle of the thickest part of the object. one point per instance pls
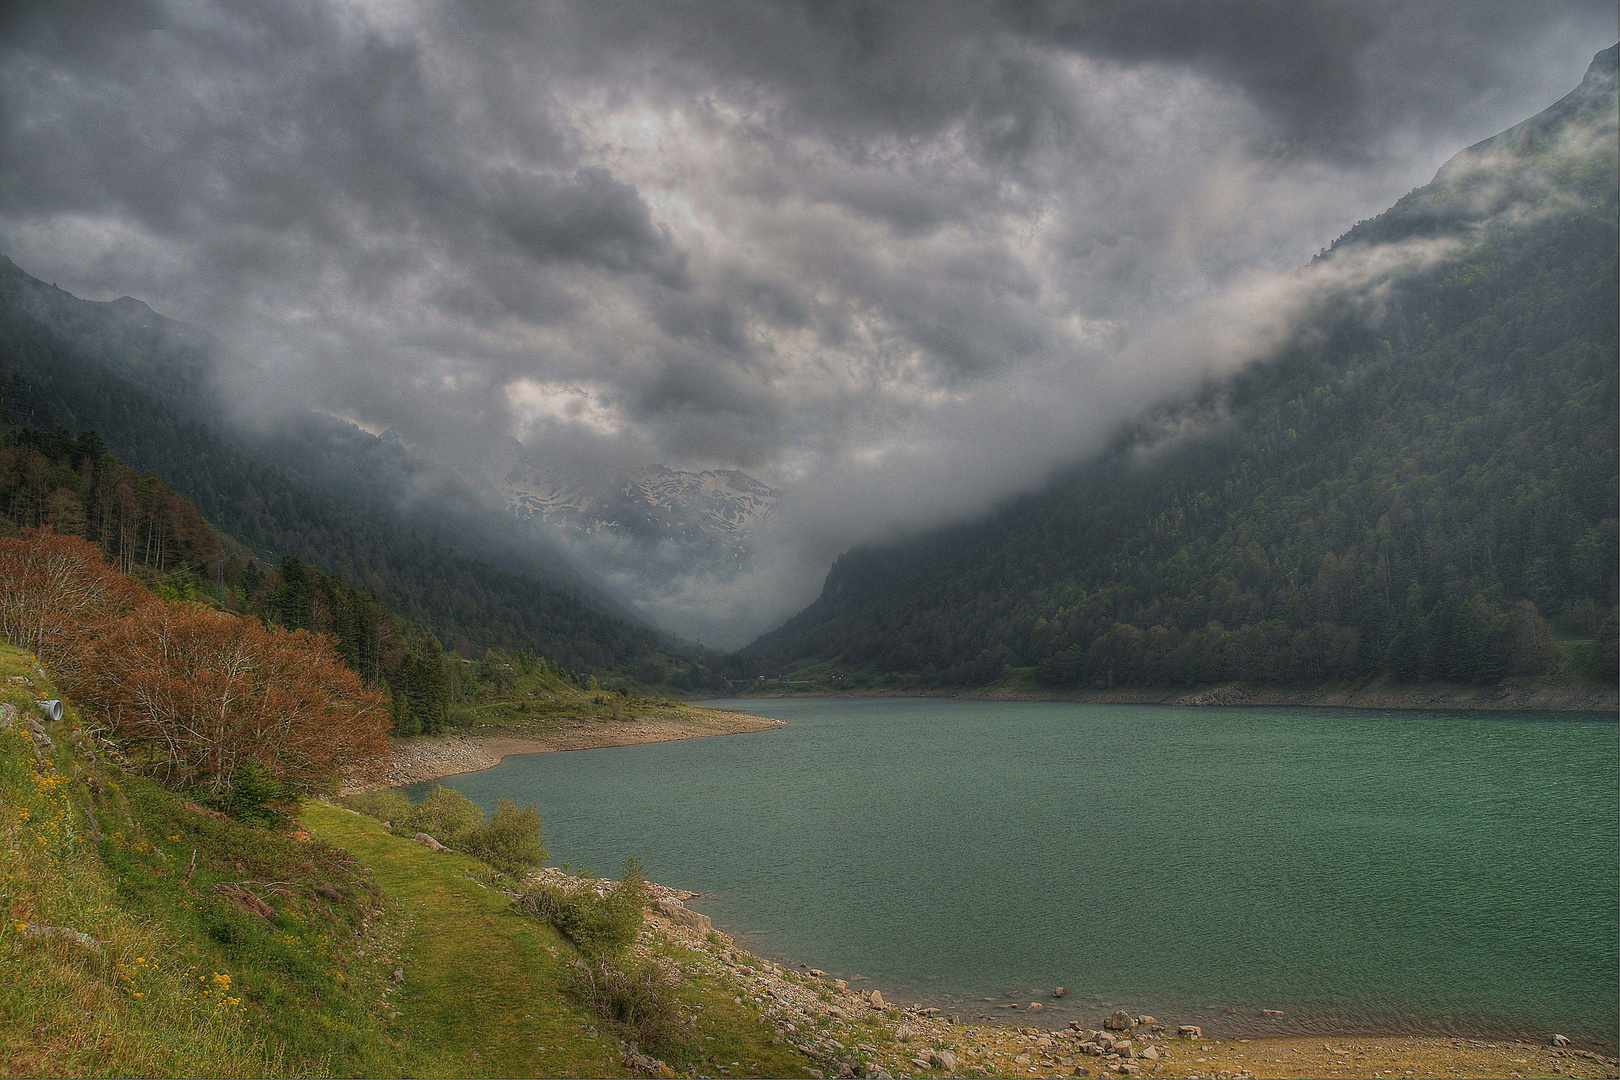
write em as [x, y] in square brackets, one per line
[446, 815]
[255, 797]
[599, 924]
[511, 841]
[388, 805]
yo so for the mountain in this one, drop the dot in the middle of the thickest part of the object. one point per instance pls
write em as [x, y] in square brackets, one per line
[1413, 485]
[710, 514]
[327, 495]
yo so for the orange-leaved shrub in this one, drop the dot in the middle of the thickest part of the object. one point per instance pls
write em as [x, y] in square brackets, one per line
[58, 591]
[196, 693]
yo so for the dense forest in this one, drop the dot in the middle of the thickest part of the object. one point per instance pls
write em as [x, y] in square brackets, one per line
[1422, 484]
[126, 373]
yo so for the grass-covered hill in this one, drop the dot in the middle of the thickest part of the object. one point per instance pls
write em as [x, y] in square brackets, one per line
[147, 934]
[139, 381]
[1421, 485]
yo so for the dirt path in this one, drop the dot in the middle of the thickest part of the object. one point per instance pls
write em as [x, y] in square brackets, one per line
[477, 991]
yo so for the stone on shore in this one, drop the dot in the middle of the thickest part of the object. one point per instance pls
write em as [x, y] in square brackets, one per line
[1190, 1031]
[1060, 992]
[677, 912]
[1120, 1021]
[1560, 1041]
[1150, 1053]
[876, 999]
[944, 1059]
[1036, 1006]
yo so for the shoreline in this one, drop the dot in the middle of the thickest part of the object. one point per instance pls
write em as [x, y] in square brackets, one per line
[427, 757]
[854, 1030]
[840, 1028]
[1378, 694]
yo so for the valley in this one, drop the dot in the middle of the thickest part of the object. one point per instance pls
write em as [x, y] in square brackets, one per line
[822, 541]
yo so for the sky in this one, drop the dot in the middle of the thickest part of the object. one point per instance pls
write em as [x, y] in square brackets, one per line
[899, 260]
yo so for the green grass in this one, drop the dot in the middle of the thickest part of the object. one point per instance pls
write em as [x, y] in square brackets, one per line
[480, 973]
[230, 949]
[483, 991]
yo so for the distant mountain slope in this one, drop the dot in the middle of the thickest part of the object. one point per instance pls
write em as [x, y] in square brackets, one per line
[1416, 481]
[700, 521]
[135, 378]
[656, 502]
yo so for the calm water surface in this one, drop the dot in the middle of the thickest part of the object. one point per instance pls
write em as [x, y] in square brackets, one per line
[1358, 870]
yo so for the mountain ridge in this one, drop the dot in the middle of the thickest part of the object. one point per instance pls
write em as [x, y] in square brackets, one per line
[1403, 487]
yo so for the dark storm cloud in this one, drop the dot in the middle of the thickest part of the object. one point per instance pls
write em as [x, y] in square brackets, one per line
[900, 258]
[1337, 75]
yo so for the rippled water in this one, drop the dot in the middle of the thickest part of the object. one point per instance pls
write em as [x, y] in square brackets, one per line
[1357, 870]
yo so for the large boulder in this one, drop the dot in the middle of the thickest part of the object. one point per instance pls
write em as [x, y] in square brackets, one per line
[428, 842]
[677, 912]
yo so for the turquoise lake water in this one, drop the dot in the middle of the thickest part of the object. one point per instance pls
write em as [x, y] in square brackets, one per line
[1361, 871]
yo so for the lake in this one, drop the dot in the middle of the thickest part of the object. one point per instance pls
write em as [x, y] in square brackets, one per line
[1358, 870]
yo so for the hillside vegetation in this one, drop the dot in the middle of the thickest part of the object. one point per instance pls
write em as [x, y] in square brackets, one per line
[1421, 485]
[147, 934]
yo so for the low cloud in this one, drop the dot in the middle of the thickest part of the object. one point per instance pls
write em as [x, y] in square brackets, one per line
[900, 261]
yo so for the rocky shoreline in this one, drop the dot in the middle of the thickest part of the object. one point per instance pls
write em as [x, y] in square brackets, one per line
[847, 1032]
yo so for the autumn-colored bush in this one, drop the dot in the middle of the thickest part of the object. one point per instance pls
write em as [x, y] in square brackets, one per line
[58, 591]
[203, 693]
[195, 692]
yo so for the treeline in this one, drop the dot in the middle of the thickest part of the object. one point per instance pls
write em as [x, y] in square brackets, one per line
[1423, 484]
[134, 377]
[73, 486]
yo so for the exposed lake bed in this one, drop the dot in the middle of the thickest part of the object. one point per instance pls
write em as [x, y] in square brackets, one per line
[1354, 871]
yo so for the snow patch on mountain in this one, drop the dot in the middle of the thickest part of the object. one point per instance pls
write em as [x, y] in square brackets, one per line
[714, 509]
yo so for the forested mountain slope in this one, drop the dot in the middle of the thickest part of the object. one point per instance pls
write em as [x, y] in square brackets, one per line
[1415, 485]
[133, 376]
[53, 482]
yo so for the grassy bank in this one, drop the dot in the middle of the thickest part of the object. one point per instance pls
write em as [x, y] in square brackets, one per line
[146, 934]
